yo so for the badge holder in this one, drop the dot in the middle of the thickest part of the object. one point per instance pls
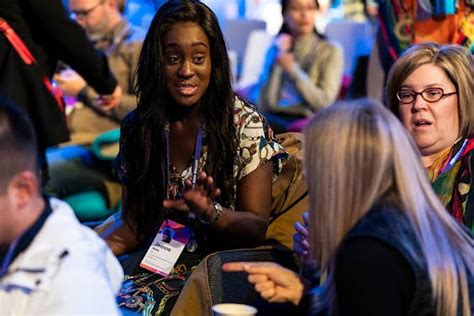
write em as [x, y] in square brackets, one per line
[166, 248]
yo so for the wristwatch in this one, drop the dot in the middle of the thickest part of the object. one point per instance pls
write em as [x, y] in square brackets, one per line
[219, 212]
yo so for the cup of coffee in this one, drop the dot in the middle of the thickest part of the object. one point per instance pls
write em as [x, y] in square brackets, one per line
[233, 310]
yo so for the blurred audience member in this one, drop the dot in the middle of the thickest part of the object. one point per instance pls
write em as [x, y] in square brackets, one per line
[378, 231]
[402, 24]
[302, 72]
[357, 10]
[50, 264]
[430, 88]
[48, 34]
[121, 42]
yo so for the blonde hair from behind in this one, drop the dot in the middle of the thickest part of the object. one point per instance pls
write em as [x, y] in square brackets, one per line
[357, 153]
[455, 61]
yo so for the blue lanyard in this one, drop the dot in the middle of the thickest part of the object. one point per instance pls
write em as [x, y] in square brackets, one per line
[196, 157]
[455, 158]
[8, 257]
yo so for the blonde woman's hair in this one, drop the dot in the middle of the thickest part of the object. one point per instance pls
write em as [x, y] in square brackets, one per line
[358, 153]
[455, 61]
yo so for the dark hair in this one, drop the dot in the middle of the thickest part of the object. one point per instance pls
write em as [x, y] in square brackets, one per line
[284, 27]
[17, 143]
[148, 186]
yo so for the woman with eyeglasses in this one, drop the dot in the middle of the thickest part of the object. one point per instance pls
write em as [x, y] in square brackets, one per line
[303, 70]
[430, 88]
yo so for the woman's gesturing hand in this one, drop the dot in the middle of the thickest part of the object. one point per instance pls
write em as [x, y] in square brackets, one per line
[197, 198]
[273, 282]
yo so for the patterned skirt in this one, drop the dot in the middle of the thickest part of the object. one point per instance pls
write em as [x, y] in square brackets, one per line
[149, 293]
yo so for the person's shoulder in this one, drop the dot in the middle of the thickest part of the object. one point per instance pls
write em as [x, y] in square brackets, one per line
[63, 222]
[62, 235]
[331, 46]
[246, 113]
[382, 220]
[242, 105]
[136, 34]
[130, 120]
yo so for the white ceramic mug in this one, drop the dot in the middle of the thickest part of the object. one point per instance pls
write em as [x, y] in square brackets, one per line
[233, 310]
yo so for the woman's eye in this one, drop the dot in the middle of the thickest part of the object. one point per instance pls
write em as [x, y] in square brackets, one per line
[406, 95]
[434, 92]
[172, 59]
[198, 59]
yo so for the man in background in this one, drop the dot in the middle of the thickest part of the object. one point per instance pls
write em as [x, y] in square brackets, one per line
[50, 264]
[121, 42]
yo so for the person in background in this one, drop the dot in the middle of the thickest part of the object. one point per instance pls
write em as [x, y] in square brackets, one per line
[185, 101]
[430, 89]
[378, 232]
[49, 35]
[357, 10]
[403, 24]
[121, 42]
[303, 70]
[49, 263]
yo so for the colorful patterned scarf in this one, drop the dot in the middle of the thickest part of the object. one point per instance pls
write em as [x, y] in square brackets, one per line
[453, 184]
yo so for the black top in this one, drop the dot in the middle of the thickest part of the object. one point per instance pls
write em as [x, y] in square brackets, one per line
[372, 278]
[51, 35]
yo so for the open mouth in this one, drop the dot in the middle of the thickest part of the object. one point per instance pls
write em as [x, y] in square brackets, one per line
[421, 123]
[186, 89]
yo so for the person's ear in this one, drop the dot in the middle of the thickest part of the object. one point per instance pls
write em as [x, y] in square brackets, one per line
[23, 188]
[112, 3]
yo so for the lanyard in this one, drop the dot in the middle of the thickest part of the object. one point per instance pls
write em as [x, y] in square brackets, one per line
[455, 158]
[25, 54]
[196, 157]
[8, 257]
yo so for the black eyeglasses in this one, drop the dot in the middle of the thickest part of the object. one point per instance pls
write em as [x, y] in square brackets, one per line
[84, 13]
[429, 95]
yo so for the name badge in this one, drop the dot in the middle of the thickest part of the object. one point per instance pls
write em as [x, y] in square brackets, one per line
[166, 248]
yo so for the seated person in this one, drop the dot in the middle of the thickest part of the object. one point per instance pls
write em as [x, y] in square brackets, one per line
[378, 232]
[121, 42]
[192, 153]
[50, 263]
[303, 70]
[430, 89]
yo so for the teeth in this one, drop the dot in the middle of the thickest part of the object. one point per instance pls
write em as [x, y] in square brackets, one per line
[421, 123]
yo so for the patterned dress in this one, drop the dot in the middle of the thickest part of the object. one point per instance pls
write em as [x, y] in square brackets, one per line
[153, 294]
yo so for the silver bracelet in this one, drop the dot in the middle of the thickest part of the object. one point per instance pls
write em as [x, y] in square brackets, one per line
[218, 215]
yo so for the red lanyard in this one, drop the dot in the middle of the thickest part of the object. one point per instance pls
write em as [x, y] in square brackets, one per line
[29, 59]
